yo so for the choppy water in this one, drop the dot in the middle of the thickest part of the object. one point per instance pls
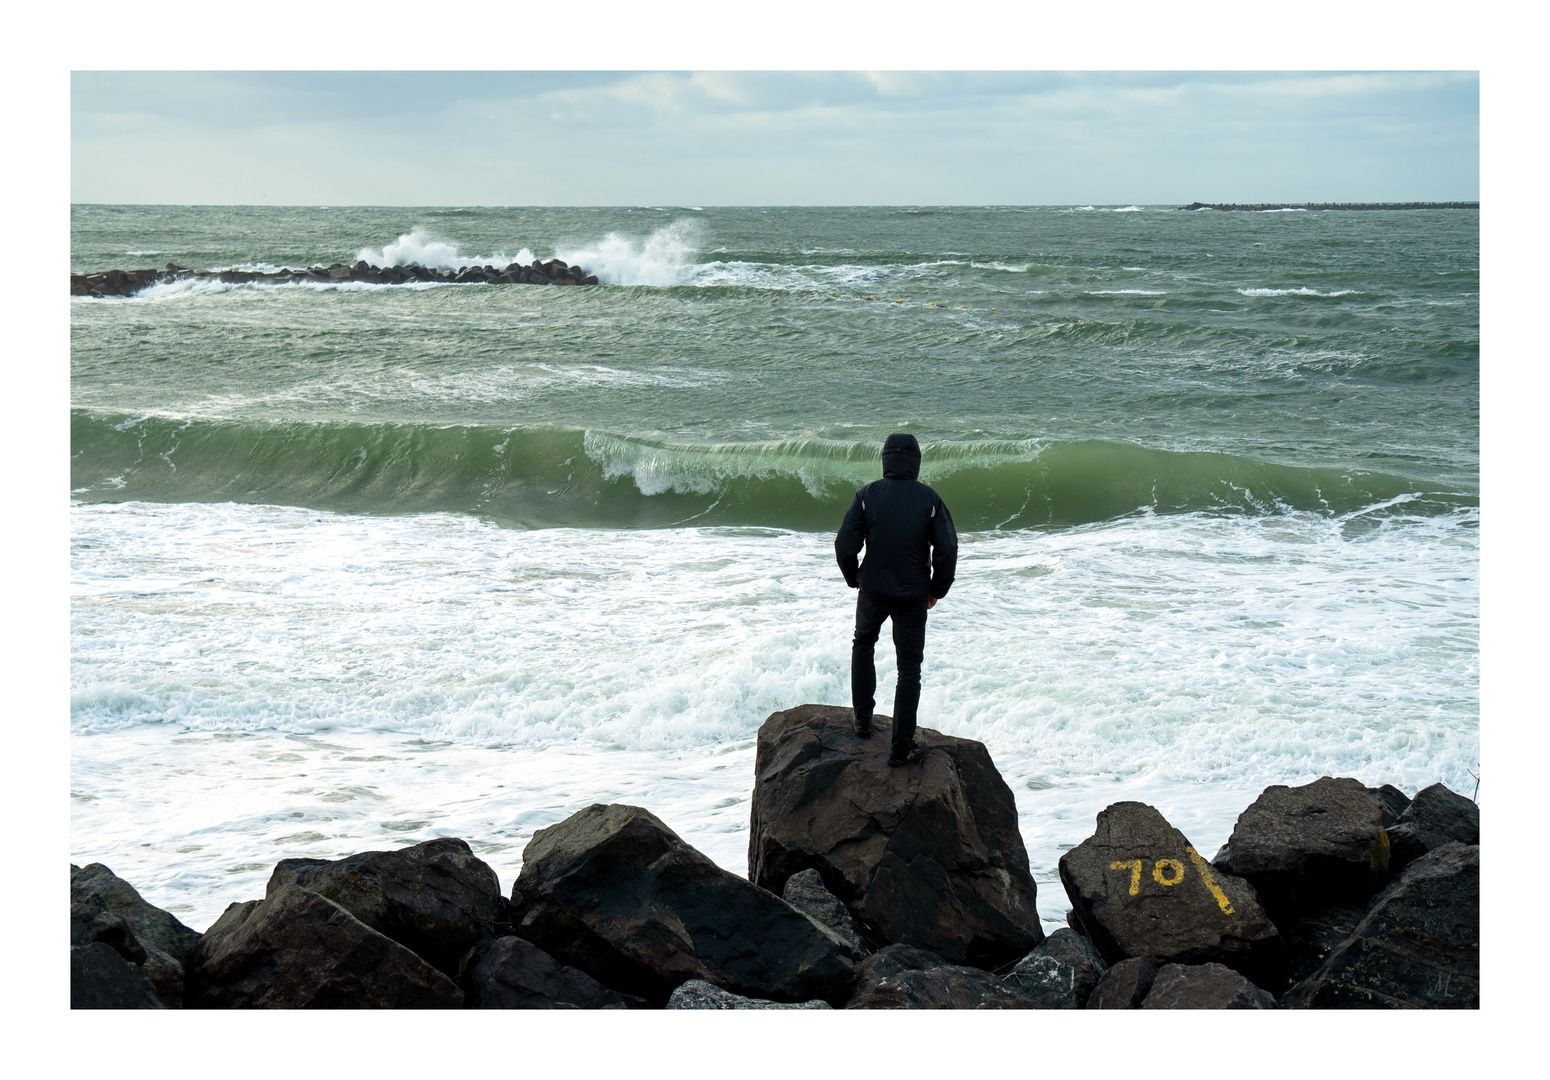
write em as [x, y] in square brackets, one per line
[357, 565]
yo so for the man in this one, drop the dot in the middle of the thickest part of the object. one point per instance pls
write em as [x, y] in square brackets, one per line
[911, 553]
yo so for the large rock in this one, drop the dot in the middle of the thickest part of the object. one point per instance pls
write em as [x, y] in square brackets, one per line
[1310, 847]
[1139, 888]
[1436, 816]
[615, 892]
[510, 973]
[1124, 986]
[149, 937]
[102, 979]
[904, 977]
[1312, 938]
[927, 855]
[1393, 802]
[1061, 973]
[699, 994]
[298, 950]
[436, 898]
[806, 893]
[1417, 947]
[1204, 986]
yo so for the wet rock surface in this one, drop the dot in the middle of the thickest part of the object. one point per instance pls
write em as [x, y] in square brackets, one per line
[130, 282]
[298, 950]
[1061, 972]
[699, 994]
[1204, 986]
[1310, 847]
[510, 973]
[615, 892]
[1139, 888]
[1418, 946]
[927, 855]
[904, 977]
[437, 898]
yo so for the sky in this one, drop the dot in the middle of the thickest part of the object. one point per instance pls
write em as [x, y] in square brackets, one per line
[525, 138]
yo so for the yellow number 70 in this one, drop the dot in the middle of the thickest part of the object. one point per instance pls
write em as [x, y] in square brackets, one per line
[1175, 875]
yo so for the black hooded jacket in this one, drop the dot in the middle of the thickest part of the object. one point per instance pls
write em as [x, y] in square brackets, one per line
[911, 545]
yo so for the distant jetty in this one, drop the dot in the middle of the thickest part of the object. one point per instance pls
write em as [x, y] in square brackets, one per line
[129, 282]
[1335, 206]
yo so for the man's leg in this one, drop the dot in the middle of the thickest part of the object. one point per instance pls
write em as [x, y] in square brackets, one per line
[863, 674]
[909, 642]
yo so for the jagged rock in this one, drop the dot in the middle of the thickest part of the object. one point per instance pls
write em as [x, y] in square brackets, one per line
[1310, 847]
[806, 893]
[904, 977]
[1061, 972]
[89, 923]
[510, 973]
[1204, 986]
[1436, 816]
[166, 942]
[436, 898]
[102, 979]
[1139, 888]
[615, 892]
[1417, 947]
[1394, 802]
[699, 994]
[299, 950]
[1124, 986]
[927, 855]
[1311, 939]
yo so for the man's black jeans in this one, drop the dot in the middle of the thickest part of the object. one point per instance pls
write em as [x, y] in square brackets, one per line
[909, 642]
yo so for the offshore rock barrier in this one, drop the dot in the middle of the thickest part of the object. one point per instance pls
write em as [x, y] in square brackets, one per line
[928, 906]
[130, 282]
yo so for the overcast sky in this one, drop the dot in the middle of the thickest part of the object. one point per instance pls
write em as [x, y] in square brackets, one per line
[798, 138]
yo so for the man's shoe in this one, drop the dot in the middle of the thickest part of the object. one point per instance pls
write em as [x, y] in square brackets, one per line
[917, 751]
[862, 728]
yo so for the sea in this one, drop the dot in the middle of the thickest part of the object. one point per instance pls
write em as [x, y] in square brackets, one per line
[354, 566]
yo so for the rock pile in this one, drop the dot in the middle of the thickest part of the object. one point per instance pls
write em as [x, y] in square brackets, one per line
[868, 888]
[539, 272]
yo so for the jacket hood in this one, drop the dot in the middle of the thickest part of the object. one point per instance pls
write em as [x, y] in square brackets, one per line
[901, 457]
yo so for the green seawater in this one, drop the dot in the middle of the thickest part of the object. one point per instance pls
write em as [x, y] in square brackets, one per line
[742, 365]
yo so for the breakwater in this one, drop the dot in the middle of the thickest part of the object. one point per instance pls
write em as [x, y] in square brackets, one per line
[131, 282]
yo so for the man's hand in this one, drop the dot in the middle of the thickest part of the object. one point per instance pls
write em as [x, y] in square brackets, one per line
[930, 602]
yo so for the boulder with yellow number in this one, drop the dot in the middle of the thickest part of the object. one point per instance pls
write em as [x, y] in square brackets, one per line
[1139, 888]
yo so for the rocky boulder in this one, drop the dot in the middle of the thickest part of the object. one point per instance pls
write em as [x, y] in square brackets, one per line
[436, 898]
[1061, 972]
[1393, 801]
[927, 855]
[102, 979]
[1124, 986]
[1204, 986]
[509, 973]
[1436, 816]
[904, 977]
[1139, 888]
[699, 994]
[1310, 847]
[150, 937]
[615, 892]
[806, 893]
[1312, 938]
[298, 950]
[1417, 947]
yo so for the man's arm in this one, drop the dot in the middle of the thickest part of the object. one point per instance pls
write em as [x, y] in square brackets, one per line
[848, 541]
[944, 551]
